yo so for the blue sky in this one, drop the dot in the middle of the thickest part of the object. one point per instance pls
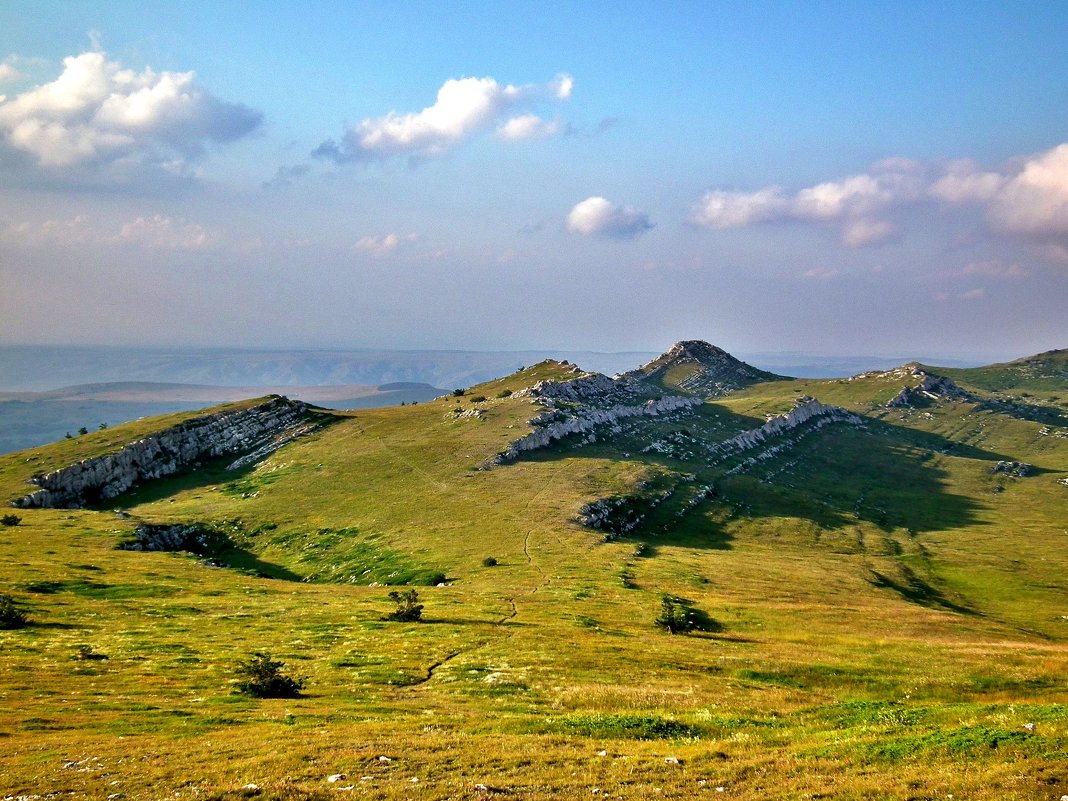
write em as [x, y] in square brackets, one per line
[823, 177]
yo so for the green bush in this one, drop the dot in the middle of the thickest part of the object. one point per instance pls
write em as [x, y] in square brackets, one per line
[674, 616]
[504, 393]
[408, 607]
[11, 617]
[10, 520]
[489, 561]
[261, 677]
[458, 393]
[477, 398]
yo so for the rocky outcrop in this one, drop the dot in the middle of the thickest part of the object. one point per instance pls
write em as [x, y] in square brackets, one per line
[193, 537]
[553, 425]
[258, 429]
[806, 409]
[932, 388]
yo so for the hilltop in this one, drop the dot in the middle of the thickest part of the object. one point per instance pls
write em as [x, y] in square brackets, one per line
[865, 576]
[698, 368]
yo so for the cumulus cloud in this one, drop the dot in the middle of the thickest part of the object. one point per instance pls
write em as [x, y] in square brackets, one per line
[527, 126]
[381, 245]
[596, 216]
[463, 108]
[720, 210]
[1028, 200]
[98, 113]
[855, 204]
[1035, 200]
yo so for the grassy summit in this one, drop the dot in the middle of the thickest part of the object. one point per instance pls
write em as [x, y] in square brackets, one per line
[877, 607]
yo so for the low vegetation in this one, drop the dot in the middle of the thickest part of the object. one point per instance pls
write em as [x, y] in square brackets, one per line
[867, 612]
[261, 676]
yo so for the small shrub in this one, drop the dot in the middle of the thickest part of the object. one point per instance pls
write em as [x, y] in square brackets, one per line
[261, 677]
[11, 617]
[458, 393]
[477, 398]
[408, 607]
[674, 616]
[10, 520]
[504, 393]
[86, 652]
[489, 561]
[102, 427]
[83, 430]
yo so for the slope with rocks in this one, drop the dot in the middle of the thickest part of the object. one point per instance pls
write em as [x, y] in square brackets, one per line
[695, 367]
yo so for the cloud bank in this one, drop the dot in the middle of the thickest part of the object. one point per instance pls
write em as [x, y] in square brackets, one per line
[1027, 200]
[463, 108]
[596, 216]
[96, 113]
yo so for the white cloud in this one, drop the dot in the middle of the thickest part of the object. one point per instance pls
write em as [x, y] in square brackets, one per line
[381, 245]
[563, 86]
[1028, 201]
[820, 273]
[963, 183]
[994, 269]
[8, 73]
[157, 232]
[463, 107]
[720, 210]
[1035, 201]
[527, 126]
[596, 216]
[862, 232]
[96, 112]
[165, 233]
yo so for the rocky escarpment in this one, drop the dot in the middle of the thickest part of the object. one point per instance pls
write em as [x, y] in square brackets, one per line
[554, 425]
[257, 430]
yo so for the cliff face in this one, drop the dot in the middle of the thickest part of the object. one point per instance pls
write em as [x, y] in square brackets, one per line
[258, 429]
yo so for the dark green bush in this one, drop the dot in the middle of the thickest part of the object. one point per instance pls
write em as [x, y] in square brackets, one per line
[458, 392]
[408, 607]
[504, 393]
[477, 398]
[262, 677]
[11, 617]
[10, 520]
[674, 616]
[489, 561]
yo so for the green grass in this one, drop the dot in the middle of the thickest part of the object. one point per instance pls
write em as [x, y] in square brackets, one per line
[887, 623]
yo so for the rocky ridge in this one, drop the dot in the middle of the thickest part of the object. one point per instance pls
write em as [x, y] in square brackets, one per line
[257, 430]
[590, 404]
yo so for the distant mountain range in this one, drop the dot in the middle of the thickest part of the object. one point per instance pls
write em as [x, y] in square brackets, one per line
[34, 368]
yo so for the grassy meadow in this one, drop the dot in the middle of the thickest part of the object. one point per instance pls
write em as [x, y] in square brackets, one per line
[878, 613]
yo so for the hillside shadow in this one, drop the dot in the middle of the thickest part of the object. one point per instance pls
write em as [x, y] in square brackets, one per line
[884, 474]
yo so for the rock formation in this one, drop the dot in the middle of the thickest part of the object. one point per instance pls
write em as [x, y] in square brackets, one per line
[258, 429]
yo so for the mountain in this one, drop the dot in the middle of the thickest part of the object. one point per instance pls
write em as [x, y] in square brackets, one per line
[698, 368]
[845, 588]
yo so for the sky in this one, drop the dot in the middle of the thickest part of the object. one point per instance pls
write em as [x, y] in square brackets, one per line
[816, 177]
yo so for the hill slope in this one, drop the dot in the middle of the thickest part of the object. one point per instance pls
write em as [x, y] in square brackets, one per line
[698, 368]
[877, 594]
